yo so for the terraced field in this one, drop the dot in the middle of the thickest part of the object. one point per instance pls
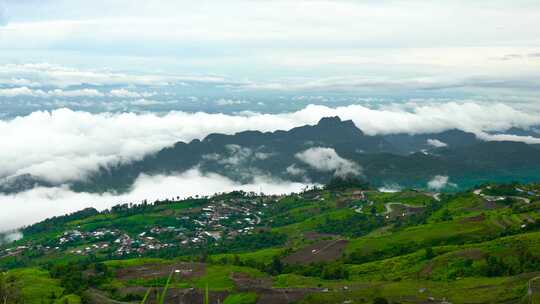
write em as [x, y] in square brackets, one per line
[323, 246]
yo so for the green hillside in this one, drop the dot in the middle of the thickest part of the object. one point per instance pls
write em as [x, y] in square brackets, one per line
[344, 243]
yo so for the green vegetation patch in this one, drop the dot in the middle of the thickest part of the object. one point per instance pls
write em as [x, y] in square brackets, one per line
[134, 262]
[408, 197]
[259, 256]
[218, 277]
[33, 285]
[241, 298]
[292, 280]
[413, 238]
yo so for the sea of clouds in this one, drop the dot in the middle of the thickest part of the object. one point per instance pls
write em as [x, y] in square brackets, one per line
[39, 203]
[66, 145]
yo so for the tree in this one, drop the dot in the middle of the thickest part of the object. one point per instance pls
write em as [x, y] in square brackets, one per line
[429, 253]
[495, 266]
[236, 260]
[380, 300]
[9, 293]
[334, 271]
[446, 216]
[3, 287]
[339, 183]
[276, 267]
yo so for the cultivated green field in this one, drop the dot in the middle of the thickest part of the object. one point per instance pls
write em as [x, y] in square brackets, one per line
[330, 245]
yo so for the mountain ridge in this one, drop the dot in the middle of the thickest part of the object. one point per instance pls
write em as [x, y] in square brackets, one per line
[405, 159]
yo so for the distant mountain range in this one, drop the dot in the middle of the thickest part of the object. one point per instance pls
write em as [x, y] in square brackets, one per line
[332, 144]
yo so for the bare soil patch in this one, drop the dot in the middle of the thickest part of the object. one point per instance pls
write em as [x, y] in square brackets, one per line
[474, 219]
[322, 251]
[315, 236]
[497, 223]
[427, 270]
[157, 270]
[528, 218]
[491, 205]
[183, 295]
[94, 296]
[473, 253]
[196, 296]
[507, 221]
[244, 281]
[283, 296]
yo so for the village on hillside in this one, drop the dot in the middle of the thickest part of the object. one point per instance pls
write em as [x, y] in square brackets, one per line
[223, 218]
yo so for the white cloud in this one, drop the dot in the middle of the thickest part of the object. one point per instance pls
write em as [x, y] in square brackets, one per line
[294, 170]
[75, 93]
[439, 182]
[63, 145]
[514, 79]
[63, 76]
[509, 137]
[391, 188]
[229, 102]
[123, 93]
[39, 203]
[520, 56]
[211, 157]
[165, 23]
[145, 102]
[10, 236]
[174, 36]
[237, 155]
[177, 36]
[20, 82]
[262, 155]
[417, 118]
[25, 91]
[436, 143]
[22, 91]
[327, 160]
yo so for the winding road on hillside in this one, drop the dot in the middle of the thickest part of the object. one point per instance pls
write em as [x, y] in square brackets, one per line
[523, 199]
[389, 209]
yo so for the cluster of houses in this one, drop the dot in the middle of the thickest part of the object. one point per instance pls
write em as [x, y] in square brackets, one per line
[223, 220]
[75, 235]
[12, 251]
[220, 219]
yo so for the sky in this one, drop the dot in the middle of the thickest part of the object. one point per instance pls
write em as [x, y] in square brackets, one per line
[335, 45]
[76, 76]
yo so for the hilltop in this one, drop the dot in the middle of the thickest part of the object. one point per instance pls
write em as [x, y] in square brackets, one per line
[345, 242]
[409, 160]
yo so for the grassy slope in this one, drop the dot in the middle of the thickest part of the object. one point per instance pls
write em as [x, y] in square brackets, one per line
[35, 285]
[425, 235]
[472, 290]
[472, 232]
[410, 266]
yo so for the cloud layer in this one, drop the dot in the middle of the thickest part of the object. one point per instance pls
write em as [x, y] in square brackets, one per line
[92, 93]
[307, 44]
[436, 143]
[327, 160]
[46, 74]
[439, 182]
[65, 145]
[39, 203]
